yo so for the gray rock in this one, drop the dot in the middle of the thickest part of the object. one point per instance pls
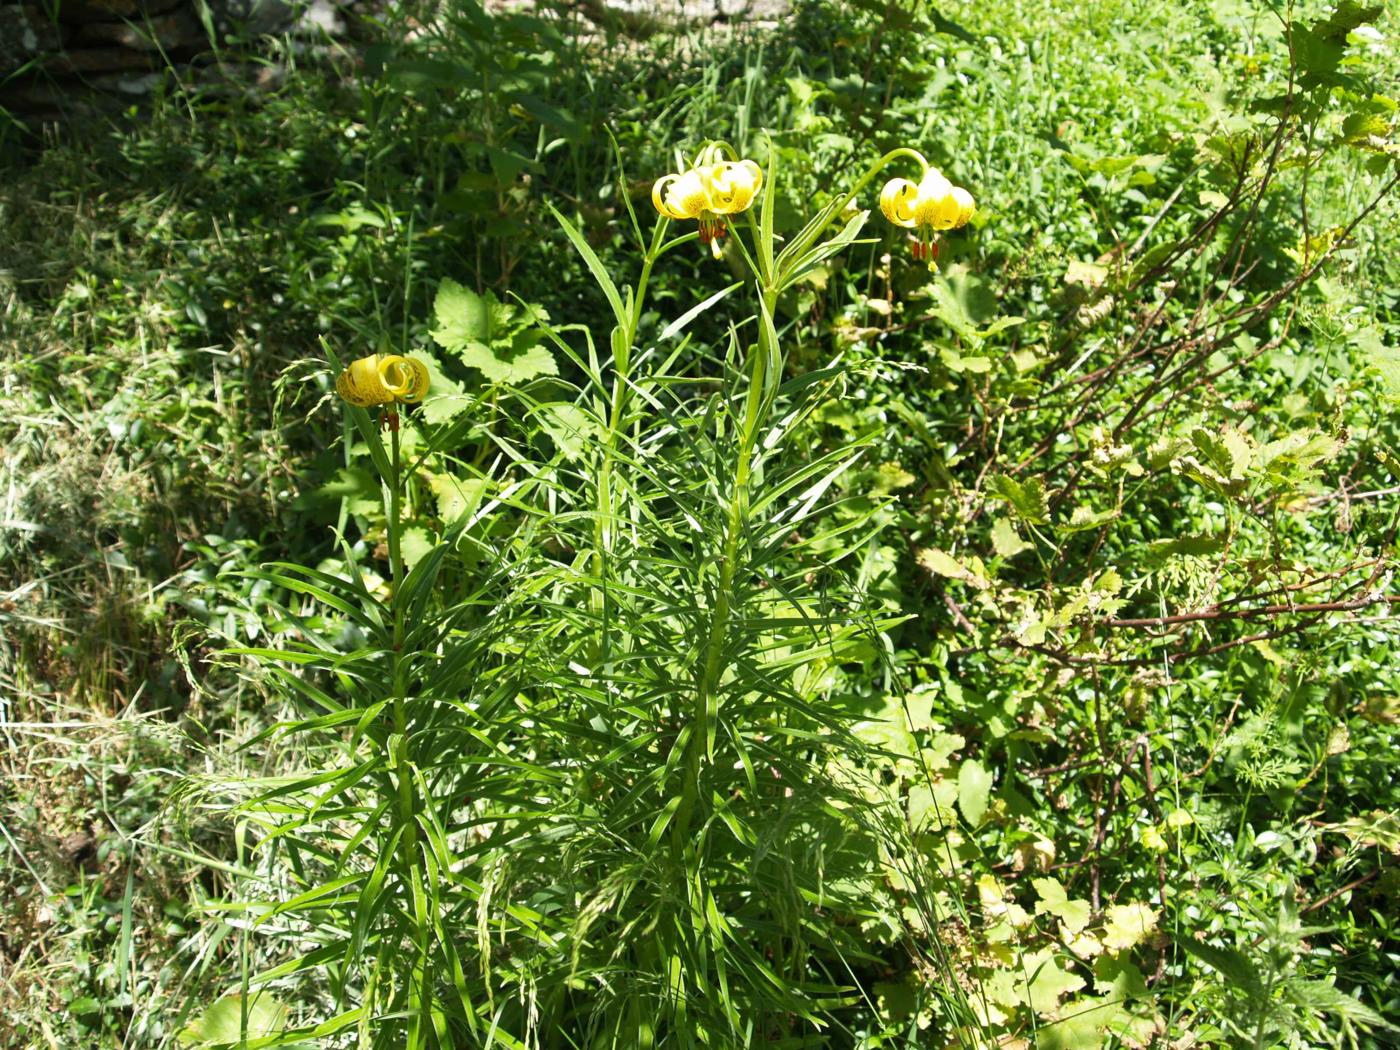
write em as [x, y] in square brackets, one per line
[127, 84]
[321, 16]
[254, 17]
[26, 31]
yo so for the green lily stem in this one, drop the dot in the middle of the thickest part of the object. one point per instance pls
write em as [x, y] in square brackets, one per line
[403, 774]
[400, 712]
[622, 355]
[705, 711]
[798, 248]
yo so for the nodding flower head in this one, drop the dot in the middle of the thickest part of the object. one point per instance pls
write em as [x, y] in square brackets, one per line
[383, 379]
[931, 206]
[711, 189]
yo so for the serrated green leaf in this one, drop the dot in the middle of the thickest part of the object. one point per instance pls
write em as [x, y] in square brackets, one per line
[1054, 901]
[461, 316]
[1027, 500]
[570, 427]
[415, 544]
[446, 398]
[1085, 518]
[931, 805]
[1128, 926]
[457, 497]
[525, 359]
[1229, 963]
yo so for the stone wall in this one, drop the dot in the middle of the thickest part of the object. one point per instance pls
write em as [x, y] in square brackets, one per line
[58, 57]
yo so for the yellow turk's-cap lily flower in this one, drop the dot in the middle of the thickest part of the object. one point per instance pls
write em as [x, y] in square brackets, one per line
[713, 188]
[383, 379]
[934, 204]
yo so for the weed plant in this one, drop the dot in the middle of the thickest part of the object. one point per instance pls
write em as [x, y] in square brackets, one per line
[783, 649]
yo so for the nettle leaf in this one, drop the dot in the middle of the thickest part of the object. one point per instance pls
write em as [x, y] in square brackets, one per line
[1229, 452]
[1128, 926]
[1233, 965]
[1360, 127]
[446, 398]
[570, 427]
[1347, 17]
[1027, 500]
[462, 316]
[457, 497]
[524, 359]
[974, 788]
[1325, 997]
[1054, 901]
[223, 1021]
[1383, 360]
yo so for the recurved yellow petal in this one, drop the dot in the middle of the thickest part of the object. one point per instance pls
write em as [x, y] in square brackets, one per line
[679, 196]
[732, 185]
[935, 205]
[404, 377]
[383, 379]
[897, 201]
[967, 207]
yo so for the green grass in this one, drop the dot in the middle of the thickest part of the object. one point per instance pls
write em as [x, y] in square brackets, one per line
[951, 769]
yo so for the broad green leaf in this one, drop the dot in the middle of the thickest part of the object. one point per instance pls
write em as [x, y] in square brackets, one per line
[944, 564]
[931, 805]
[570, 427]
[1027, 499]
[1323, 996]
[457, 497]
[461, 316]
[1128, 926]
[1054, 901]
[223, 1021]
[974, 787]
[446, 398]
[1049, 982]
[1005, 541]
[1085, 518]
[525, 359]
[415, 544]
[1081, 1024]
[1381, 359]
[1234, 966]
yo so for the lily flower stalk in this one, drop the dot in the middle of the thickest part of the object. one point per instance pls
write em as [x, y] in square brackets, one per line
[714, 188]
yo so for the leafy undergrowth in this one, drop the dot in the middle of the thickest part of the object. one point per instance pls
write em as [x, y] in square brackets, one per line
[1059, 711]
